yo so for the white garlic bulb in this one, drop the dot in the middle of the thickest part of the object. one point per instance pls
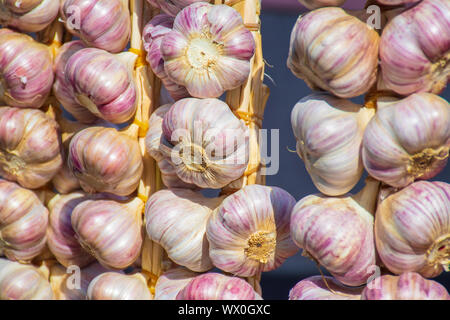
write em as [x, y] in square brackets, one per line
[116, 286]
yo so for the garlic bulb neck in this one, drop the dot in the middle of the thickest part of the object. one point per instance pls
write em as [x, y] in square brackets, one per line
[422, 162]
[439, 252]
[261, 246]
[368, 196]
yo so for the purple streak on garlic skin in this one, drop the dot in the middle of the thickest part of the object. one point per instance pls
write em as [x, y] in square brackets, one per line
[172, 7]
[408, 286]
[314, 288]
[171, 282]
[216, 286]
[415, 49]
[412, 229]
[314, 4]
[116, 286]
[26, 74]
[408, 140]
[104, 24]
[249, 232]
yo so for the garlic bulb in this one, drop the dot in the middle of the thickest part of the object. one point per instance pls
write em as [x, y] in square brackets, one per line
[314, 4]
[412, 229]
[153, 35]
[175, 212]
[216, 286]
[104, 24]
[414, 49]
[408, 140]
[172, 7]
[22, 282]
[105, 160]
[109, 230]
[396, 2]
[30, 147]
[26, 74]
[171, 282]
[334, 51]
[23, 222]
[102, 83]
[315, 288]
[116, 286]
[329, 134]
[209, 50]
[64, 181]
[206, 143]
[249, 232]
[28, 15]
[408, 286]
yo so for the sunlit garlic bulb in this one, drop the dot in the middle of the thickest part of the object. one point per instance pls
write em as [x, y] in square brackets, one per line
[23, 222]
[171, 282]
[104, 24]
[172, 7]
[329, 134]
[105, 160]
[22, 282]
[209, 50]
[116, 286]
[408, 140]
[315, 288]
[249, 232]
[408, 286]
[314, 4]
[412, 229]
[26, 74]
[414, 49]
[28, 15]
[334, 51]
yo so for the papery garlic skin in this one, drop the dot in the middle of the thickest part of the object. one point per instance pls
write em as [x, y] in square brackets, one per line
[315, 288]
[249, 232]
[116, 286]
[104, 24]
[28, 15]
[329, 134]
[22, 282]
[172, 7]
[105, 160]
[338, 234]
[314, 4]
[26, 74]
[216, 286]
[30, 147]
[171, 282]
[209, 50]
[412, 229]
[408, 140]
[23, 222]
[174, 212]
[415, 49]
[64, 181]
[408, 286]
[334, 51]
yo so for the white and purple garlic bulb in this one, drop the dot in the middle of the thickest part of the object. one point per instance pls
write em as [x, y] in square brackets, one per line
[314, 4]
[209, 50]
[329, 133]
[408, 140]
[334, 51]
[249, 232]
[172, 7]
[103, 24]
[26, 74]
[117, 286]
[171, 282]
[415, 49]
[323, 288]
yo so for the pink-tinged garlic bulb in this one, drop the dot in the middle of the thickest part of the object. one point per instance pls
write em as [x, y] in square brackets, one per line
[64, 181]
[105, 160]
[153, 35]
[26, 74]
[30, 147]
[414, 49]
[209, 50]
[109, 230]
[22, 282]
[172, 7]
[315, 288]
[249, 232]
[171, 282]
[329, 134]
[314, 4]
[408, 286]
[175, 212]
[206, 143]
[412, 229]
[28, 15]
[104, 24]
[23, 222]
[408, 140]
[103, 83]
[216, 286]
[116, 286]
[334, 51]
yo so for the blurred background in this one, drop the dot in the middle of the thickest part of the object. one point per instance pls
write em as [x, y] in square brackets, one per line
[278, 18]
